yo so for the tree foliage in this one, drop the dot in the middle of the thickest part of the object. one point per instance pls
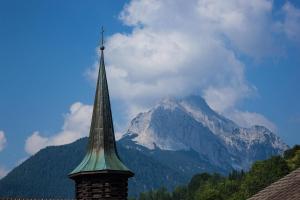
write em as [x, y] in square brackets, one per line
[238, 185]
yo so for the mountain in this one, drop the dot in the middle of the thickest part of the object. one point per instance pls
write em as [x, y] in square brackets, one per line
[44, 175]
[189, 123]
[164, 146]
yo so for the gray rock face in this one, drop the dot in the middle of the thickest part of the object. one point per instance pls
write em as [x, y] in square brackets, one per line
[189, 123]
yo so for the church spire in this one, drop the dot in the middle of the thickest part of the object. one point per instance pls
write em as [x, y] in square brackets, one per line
[101, 174]
[101, 152]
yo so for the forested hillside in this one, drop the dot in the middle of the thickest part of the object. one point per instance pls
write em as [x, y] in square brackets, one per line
[45, 175]
[236, 186]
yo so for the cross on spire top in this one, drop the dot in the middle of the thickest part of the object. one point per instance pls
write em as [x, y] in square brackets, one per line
[102, 39]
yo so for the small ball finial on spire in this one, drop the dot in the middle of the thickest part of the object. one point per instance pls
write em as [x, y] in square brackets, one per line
[102, 39]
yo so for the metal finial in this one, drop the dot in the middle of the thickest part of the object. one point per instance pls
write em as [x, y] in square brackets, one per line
[102, 39]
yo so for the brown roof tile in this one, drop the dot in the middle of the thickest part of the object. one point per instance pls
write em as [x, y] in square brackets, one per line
[286, 188]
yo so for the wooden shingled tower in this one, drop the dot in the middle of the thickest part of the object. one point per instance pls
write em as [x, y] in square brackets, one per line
[101, 174]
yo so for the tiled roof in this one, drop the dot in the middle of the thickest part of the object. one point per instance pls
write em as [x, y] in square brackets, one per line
[286, 188]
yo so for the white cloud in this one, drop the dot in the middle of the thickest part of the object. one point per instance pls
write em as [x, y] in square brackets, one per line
[76, 125]
[3, 140]
[3, 171]
[178, 48]
[246, 25]
[146, 66]
[291, 23]
[35, 142]
[224, 99]
[248, 119]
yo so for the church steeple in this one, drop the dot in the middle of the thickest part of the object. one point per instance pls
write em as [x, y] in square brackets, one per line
[101, 156]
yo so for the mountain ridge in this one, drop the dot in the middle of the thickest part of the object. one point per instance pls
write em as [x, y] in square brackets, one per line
[180, 124]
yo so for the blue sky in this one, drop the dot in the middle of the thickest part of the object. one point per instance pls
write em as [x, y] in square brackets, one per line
[248, 60]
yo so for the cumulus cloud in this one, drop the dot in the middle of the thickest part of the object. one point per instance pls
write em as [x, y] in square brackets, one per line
[248, 119]
[291, 23]
[76, 125]
[246, 25]
[35, 142]
[2, 140]
[177, 48]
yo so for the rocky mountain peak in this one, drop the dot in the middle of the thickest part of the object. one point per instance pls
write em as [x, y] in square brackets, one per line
[189, 123]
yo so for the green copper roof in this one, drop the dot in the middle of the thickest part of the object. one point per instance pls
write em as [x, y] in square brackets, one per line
[101, 153]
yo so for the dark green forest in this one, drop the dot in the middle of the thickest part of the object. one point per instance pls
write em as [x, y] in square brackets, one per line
[238, 185]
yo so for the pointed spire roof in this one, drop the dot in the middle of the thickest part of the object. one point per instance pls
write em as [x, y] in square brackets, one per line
[101, 152]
